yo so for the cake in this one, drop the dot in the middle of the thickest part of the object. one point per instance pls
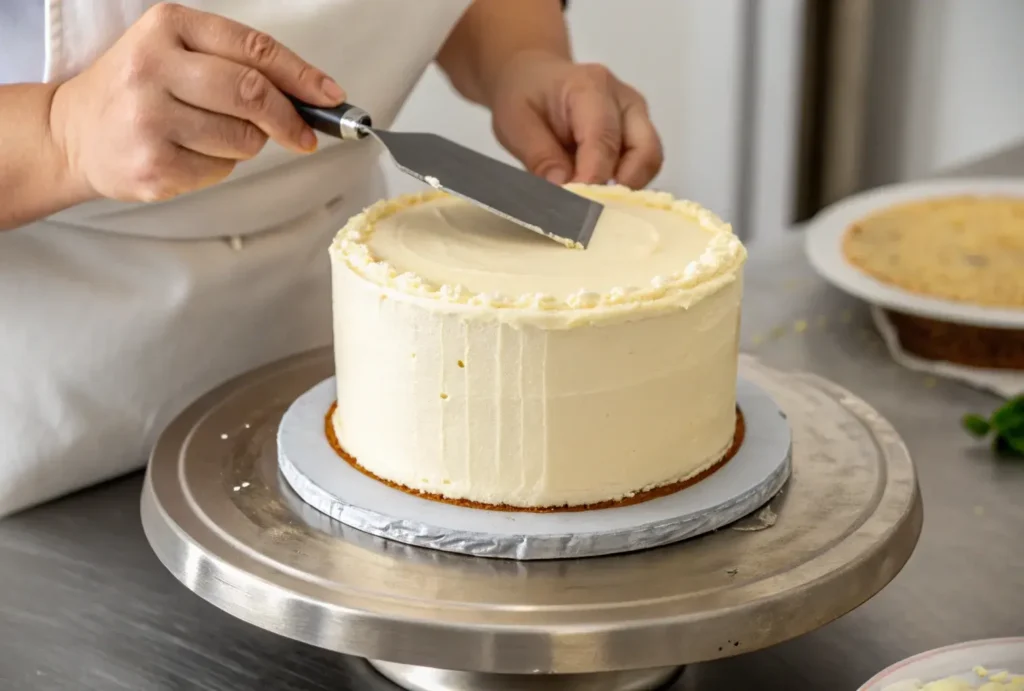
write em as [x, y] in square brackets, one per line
[967, 249]
[478, 362]
[960, 344]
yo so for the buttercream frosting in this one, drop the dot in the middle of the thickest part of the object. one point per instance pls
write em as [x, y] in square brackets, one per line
[484, 362]
[649, 251]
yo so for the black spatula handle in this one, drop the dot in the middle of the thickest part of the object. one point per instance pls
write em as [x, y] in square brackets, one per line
[345, 121]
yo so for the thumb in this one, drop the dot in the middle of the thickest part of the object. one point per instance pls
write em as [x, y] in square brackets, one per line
[528, 137]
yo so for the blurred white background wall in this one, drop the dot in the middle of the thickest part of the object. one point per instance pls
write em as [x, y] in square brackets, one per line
[947, 85]
[723, 79]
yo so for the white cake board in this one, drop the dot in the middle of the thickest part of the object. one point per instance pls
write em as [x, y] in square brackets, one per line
[331, 485]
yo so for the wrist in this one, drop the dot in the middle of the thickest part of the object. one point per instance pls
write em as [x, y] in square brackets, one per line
[521, 63]
[71, 184]
[495, 34]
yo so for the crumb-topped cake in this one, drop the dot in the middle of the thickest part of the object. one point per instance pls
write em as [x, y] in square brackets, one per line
[961, 248]
[480, 362]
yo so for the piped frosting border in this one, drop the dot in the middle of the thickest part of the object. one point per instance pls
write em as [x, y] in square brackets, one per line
[718, 265]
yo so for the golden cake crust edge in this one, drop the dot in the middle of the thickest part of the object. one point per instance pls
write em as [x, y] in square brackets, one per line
[959, 344]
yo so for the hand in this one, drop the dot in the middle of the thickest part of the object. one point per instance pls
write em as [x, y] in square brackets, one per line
[572, 122]
[178, 101]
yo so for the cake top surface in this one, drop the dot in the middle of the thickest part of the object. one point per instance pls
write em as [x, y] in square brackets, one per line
[646, 247]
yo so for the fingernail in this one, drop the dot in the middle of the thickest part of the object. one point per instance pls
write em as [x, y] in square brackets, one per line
[331, 90]
[308, 140]
[557, 176]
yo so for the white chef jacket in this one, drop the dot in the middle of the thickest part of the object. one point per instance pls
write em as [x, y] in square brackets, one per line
[115, 316]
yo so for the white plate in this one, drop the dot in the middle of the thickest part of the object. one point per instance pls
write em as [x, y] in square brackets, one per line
[995, 655]
[824, 241]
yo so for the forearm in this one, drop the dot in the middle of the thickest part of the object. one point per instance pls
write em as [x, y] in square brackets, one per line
[491, 33]
[34, 179]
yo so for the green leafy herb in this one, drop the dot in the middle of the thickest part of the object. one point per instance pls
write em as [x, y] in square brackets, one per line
[977, 425]
[1007, 422]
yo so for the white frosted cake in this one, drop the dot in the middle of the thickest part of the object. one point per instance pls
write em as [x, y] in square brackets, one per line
[479, 362]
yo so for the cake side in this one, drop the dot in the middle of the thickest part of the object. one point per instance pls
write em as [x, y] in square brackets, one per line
[525, 416]
[960, 344]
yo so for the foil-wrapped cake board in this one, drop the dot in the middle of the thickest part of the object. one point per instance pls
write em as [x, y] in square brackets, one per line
[332, 485]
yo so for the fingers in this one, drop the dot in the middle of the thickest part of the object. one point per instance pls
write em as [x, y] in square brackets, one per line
[642, 153]
[596, 124]
[167, 171]
[527, 136]
[203, 32]
[214, 134]
[198, 171]
[212, 83]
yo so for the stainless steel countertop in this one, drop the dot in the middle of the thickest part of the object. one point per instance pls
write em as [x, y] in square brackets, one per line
[85, 605]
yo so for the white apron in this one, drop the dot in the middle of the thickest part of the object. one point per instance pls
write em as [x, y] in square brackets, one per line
[113, 316]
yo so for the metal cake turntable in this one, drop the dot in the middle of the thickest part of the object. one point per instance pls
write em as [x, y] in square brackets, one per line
[224, 522]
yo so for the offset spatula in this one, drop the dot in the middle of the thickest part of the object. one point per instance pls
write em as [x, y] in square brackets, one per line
[512, 193]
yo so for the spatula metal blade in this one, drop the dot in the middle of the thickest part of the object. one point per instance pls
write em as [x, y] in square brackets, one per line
[510, 192]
